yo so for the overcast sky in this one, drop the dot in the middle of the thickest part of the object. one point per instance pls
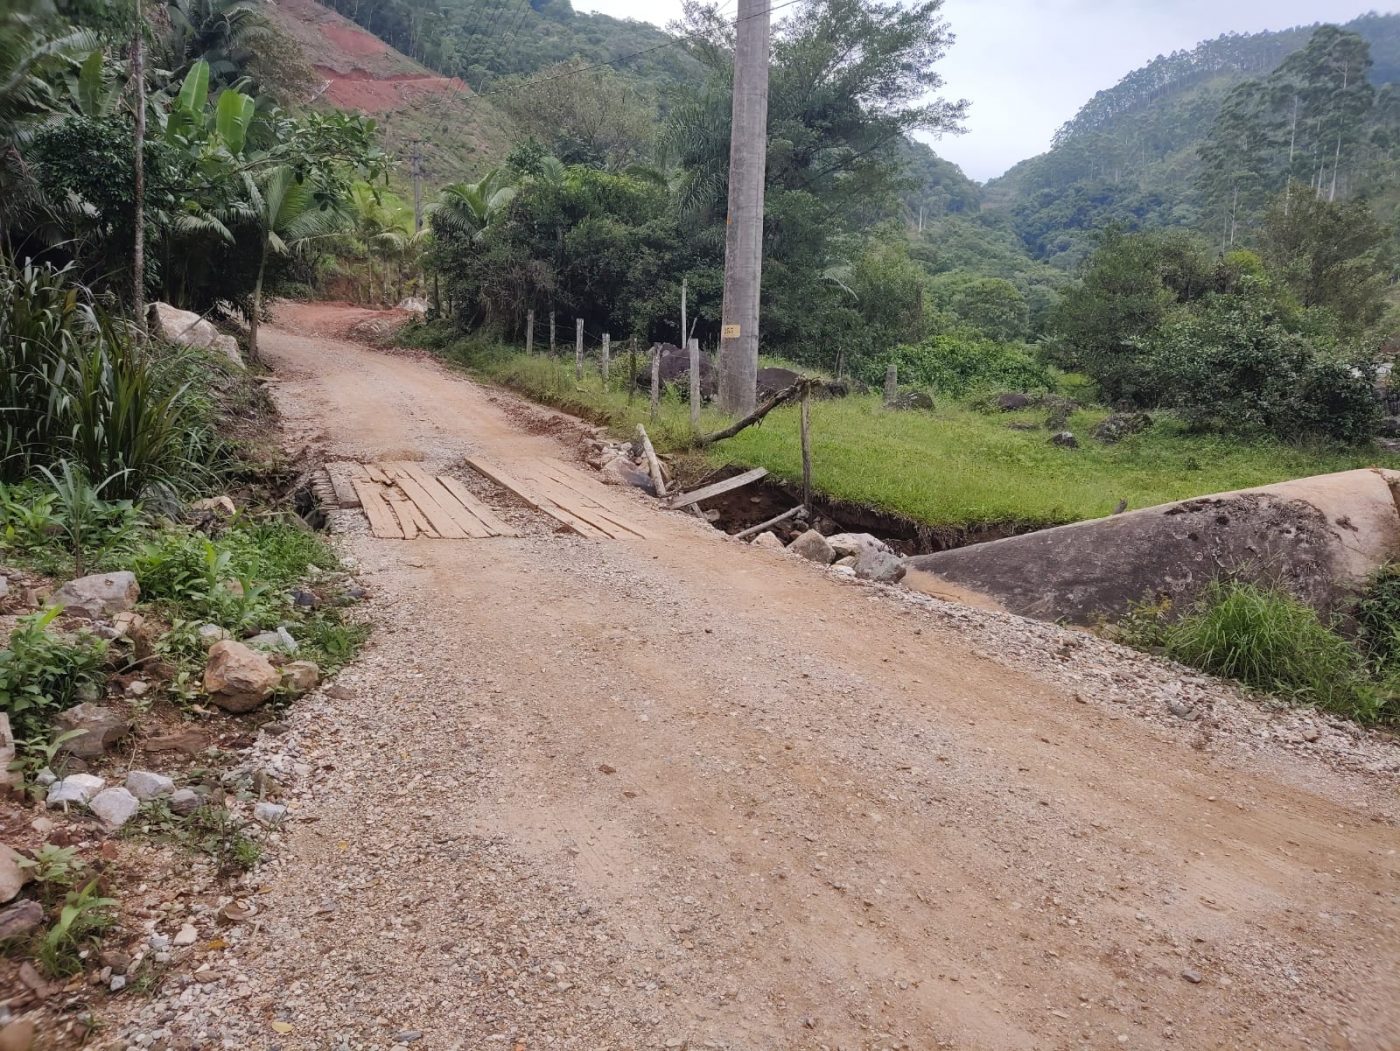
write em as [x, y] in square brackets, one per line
[1028, 65]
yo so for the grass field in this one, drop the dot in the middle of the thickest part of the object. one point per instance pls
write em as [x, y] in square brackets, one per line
[953, 467]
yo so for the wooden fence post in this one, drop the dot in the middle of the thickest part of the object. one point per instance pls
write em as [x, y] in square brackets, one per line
[807, 449]
[631, 369]
[553, 346]
[655, 378]
[694, 345]
[530, 332]
[891, 384]
[578, 348]
[607, 358]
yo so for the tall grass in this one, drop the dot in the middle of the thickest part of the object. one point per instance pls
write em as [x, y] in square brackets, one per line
[74, 387]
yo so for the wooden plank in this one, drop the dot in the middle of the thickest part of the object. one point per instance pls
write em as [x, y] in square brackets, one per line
[410, 516]
[718, 488]
[581, 497]
[545, 506]
[382, 522]
[377, 474]
[474, 506]
[342, 474]
[438, 516]
[564, 498]
[464, 517]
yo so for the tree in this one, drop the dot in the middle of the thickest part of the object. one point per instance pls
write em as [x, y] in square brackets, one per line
[580, 115]
[1334, 256]
[287, 215]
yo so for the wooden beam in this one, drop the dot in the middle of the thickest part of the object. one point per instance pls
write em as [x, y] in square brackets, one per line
[382, 522]
[724, 486]
[475, 506]
[763, 527]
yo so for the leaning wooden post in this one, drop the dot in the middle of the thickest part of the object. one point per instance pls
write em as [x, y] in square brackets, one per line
[694, 345]
[631, 369]
[807, 449]
[658, 480]
[529, 332]
[607, 358]
[655, 378]
[553, 346]
[891, 384]
[578, 348]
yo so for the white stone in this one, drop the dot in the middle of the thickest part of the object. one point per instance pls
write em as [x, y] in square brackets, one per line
[75, 788]
[769, 540]
[187, 935]
[115, 806]
[270, 813]
[99, 595]
[144, 784]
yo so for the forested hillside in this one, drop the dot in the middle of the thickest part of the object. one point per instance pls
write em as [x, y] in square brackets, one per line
[481, 40]
[1134, 153]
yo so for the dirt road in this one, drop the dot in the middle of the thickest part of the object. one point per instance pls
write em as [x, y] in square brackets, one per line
[684, 793]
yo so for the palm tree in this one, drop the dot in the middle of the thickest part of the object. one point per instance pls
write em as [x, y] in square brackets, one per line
[224, 33]
[383, 226]
[287, 216]
[469, 208]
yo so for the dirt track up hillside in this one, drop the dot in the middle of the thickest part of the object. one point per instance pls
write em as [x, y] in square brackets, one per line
[684, 793]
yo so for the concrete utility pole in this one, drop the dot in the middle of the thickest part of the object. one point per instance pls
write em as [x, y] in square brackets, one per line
[743, 241]
[415, 168]
[138, 182]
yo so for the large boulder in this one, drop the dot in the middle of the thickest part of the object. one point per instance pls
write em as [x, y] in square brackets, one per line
[191, 330]
[813, 546]
[99, 595]
[1319, 537]
[773, 380]
[853, 545]
[675, 369]
[238, 678]
[97, 729]
[883, 567]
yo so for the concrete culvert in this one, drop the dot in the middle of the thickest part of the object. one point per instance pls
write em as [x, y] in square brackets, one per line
[1319, 537]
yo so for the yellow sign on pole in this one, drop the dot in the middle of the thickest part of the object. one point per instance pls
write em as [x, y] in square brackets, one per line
[729, 332]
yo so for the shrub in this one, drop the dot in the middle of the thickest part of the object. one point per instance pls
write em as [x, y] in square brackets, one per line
[1377, 616]
[73, 386]
[1268, 639]
[42, 673]
[956, 365]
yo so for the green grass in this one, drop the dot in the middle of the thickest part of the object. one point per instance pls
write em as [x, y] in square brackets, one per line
[954, 467]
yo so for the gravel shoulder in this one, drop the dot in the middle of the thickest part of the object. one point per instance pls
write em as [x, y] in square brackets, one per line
[685, 793]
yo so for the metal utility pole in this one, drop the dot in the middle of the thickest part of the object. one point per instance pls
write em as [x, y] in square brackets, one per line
[743, 241]
[415, 168]
[138, 247]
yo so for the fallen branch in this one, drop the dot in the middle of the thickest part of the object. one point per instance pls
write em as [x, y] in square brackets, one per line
[763, 527]
[787, 394]
[658, 480]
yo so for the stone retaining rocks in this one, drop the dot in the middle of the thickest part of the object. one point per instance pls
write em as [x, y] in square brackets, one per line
[99, 729]
[99, 595]
[813, 546]
[237, 678]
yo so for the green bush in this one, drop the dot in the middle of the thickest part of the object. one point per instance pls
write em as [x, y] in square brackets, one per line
[1268, 639]
[42, 673]
[957, 365]
[74, 387]
[1377, 616]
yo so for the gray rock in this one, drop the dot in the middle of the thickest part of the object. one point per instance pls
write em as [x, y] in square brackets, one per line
[849, 560]
[75, 788]
[20, 918]
[280, 640]
[100, 728]
[144, 784]
[880, 566]
[11, 780]
[844, 571]
[100, 595]
[12, 876]
[623, 472]
[1010, 401]
[856, 544]
[813, 546]
[912, 399]
[769, 540]
[4, 586]
[269, 813]
[1121, 425]
[184, 802]
[1064, 439]
[210, 634]
[115, 806]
